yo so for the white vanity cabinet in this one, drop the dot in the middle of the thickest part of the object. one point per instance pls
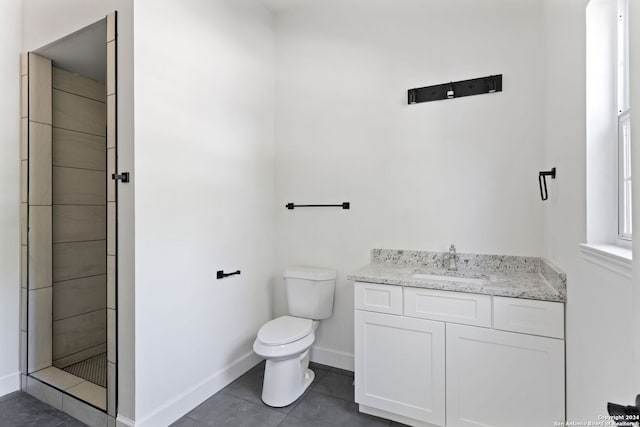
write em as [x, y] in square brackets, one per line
[400, 365]
[442, 358]
[497, 378]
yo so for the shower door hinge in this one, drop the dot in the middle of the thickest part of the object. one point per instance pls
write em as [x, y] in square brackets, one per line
[124, 177]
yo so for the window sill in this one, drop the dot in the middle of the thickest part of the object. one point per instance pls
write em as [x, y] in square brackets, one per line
[611, 257]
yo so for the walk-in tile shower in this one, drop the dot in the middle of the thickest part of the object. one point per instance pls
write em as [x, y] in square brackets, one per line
[68, 155]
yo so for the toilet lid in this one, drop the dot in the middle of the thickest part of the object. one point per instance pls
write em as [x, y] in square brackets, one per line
[284, 330]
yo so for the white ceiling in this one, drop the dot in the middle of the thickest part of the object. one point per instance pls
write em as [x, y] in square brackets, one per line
[83, 52]
[277, 5]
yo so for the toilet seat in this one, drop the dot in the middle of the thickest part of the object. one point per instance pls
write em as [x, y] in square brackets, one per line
[284, 351]
[284, 330]
[284, 337]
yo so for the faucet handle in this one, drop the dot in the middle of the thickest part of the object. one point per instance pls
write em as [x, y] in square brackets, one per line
[452, 248]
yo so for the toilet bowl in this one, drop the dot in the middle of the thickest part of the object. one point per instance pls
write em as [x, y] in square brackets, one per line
[284, 342]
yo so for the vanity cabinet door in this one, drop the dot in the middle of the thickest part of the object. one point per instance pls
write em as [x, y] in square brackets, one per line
[503, 379]
[400, 365]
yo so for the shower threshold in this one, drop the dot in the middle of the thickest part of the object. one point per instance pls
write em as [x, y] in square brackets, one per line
[73, 385]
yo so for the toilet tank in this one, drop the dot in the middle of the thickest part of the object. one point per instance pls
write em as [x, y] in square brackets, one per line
[310, 291]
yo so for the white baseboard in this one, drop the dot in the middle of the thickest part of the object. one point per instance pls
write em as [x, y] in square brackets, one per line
[9, 383]
[335, 358]
[124, 422]
[177, 407]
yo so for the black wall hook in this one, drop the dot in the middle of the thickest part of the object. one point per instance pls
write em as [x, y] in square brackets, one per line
[542, 181]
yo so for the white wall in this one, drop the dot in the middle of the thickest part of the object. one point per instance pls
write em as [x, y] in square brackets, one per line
[599, 341]
[43, 22]
[420, 176]
[599, 310]
[9, 195]
[204, 87]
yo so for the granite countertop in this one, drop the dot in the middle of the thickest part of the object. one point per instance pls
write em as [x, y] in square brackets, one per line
[508, 276]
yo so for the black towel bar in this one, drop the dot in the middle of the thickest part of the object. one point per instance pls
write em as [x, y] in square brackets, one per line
[344, 205]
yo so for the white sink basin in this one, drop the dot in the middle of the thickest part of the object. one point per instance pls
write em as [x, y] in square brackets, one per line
[451, 279]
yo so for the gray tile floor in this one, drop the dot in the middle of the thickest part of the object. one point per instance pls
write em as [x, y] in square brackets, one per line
[327, 403]
[21, 410]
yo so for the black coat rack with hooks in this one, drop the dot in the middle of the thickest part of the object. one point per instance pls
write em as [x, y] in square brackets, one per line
[478, 86]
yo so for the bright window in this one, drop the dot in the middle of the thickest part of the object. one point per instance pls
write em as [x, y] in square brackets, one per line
[624, 175]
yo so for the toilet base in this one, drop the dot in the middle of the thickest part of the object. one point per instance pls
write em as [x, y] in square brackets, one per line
[286, 380]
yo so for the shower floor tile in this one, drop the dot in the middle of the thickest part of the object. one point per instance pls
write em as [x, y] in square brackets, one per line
[93, 369]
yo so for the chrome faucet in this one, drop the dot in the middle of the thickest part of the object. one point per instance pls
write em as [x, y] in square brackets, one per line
[451, 257]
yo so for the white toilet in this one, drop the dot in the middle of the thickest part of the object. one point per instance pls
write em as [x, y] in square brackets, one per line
[284, 342]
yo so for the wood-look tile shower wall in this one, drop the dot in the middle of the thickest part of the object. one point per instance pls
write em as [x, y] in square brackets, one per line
[79, 218]
[36, 192]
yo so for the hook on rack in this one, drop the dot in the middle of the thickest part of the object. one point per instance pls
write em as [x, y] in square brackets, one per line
[542, 182]
[451, 92]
